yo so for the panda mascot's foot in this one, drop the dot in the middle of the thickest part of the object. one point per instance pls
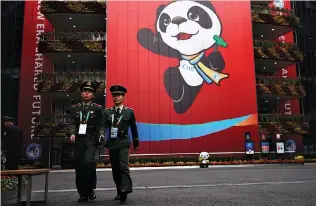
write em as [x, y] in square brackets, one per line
[203, 165]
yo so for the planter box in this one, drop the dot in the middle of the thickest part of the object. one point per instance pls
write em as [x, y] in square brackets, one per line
[10, 195]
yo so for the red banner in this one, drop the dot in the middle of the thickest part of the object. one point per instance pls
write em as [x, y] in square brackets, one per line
[32, 65]
[189, 70]
[289, 107]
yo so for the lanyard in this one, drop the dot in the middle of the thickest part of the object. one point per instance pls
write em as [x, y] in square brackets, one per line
[86, 117]
[118, 119]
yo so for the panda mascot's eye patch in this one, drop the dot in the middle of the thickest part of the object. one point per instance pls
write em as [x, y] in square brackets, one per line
[200, 16]
[164, 21]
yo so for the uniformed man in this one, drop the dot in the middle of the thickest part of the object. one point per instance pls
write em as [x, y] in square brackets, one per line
[12, 137]
[118, 119]
[85, 133]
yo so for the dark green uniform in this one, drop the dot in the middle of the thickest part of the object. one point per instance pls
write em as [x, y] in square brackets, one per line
[119, 146]
[86, 144]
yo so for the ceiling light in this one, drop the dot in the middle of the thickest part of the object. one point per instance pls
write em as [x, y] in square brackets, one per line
[262, 35]
[70, 18]
[74, 26]
[69, 55]
[272, 29]
[266, 101]
[275, 62]
[278, 98]
[67, 95]
[264, 67]
[73, 62]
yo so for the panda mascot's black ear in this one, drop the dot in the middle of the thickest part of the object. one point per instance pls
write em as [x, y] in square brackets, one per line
[159, 10]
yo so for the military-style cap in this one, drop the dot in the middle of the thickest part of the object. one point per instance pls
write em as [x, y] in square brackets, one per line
[7, 118]
[118, 89]
[88, 85]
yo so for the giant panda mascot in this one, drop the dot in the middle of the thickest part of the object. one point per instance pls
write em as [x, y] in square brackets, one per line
[184, 30]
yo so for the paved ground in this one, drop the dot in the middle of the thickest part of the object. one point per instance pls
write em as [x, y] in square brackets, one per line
[258, 185]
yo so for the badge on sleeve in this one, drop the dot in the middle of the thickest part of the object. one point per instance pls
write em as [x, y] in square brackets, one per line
[82, 129]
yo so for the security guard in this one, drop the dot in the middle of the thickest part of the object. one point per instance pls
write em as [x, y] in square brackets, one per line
[86, 133]
[118, 119]
[12, 137]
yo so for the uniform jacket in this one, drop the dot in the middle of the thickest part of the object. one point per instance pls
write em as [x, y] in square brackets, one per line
[93, 125]
[128, 121]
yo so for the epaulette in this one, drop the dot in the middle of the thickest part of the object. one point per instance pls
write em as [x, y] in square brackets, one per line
[75, 105]
[129, 108]
[109, 108]
[97, 105]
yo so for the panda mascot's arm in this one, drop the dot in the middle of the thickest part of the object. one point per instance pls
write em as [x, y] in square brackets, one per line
[154, 43]
[216, 61]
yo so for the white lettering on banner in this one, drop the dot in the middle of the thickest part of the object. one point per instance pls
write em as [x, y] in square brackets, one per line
[38, 68]
[282, 38]
[287, 107]
[287, 104]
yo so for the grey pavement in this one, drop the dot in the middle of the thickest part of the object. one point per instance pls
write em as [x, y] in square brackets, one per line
[258, 185]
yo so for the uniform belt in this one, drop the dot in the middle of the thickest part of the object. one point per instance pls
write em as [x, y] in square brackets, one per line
[122, 135]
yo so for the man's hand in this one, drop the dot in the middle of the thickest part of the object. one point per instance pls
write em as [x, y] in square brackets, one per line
[101, 139]
[135, 144]
[73, 138]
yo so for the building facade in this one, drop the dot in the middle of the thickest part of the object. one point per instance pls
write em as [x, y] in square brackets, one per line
[261, 98]
[306, 40]
[12, 19]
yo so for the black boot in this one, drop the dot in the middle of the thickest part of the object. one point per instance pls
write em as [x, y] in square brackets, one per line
[123, 197]
[117, 197]
[83, 199]
[92, 195]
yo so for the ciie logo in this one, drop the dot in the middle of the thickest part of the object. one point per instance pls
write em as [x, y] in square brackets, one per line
[279, 4]
[290, 145]
[34, 151]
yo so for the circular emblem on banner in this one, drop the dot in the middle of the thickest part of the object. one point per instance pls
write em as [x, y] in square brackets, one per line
[34, 151]
[290, 145]
[279, 4]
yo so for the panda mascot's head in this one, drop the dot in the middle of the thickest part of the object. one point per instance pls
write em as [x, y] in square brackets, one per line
[188, 26]
[204, 157]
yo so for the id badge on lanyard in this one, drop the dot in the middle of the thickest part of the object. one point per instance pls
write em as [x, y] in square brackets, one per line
[83, 125]
[114, 130]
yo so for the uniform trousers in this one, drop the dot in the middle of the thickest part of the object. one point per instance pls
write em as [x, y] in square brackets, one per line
[121, 174]
[85, 167]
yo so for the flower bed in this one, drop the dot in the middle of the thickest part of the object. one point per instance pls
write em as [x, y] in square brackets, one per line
[233, 162]
[66, 86]
[71, 46]
[9, 185]
[73, 7]
[283, 127]
[267, 85]
[265, 49]
[275, 16]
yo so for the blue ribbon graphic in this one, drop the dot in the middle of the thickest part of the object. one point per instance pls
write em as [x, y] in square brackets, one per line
[159, 132]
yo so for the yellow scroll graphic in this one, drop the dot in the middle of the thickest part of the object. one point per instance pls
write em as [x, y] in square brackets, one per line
[208, 74]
